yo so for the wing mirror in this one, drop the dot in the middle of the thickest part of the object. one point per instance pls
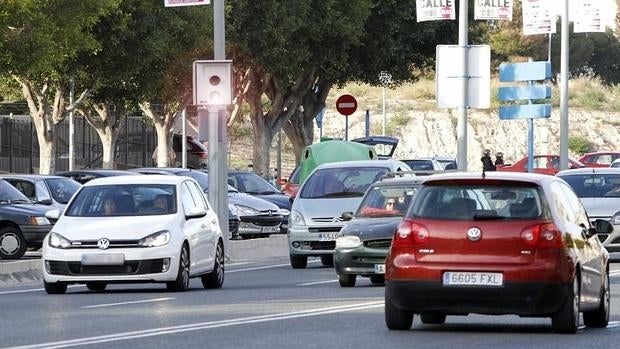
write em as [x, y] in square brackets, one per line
[44, 202]
[601, 226]
[347, 216]
[196, 212]
[52, 214]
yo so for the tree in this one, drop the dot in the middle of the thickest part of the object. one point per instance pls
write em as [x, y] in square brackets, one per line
[39, 41]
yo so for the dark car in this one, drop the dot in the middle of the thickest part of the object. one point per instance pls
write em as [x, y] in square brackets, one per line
[363, 243]
[47, 190]
[85, 175]
[291, 185]
[250, 183]
[249, 217]
[22, 223]
[197, 154]
[500, 243]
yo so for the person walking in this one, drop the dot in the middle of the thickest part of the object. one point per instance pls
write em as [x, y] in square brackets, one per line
[487, 162]
[499, 159]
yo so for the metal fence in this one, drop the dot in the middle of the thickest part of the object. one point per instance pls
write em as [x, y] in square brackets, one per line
[19, 148]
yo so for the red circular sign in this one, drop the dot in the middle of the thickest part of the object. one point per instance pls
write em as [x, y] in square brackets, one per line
[346, 104]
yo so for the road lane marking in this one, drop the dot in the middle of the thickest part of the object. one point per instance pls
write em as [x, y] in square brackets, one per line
[238, 263]
[34, 290]
[264, 267]
[317, 282]
[201, 326]
[129, 302]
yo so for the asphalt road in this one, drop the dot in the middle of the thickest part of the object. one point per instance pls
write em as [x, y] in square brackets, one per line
[262, 305]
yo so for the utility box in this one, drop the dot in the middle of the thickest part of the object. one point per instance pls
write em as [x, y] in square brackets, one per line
[212, 82]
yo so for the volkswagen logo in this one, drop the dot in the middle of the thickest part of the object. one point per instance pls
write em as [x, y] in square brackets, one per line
[103, 243]
[474, 234]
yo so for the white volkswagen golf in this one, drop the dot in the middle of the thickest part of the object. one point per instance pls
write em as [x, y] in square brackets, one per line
[135, 229]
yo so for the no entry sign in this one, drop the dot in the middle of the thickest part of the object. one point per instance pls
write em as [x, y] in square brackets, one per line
[346, 105]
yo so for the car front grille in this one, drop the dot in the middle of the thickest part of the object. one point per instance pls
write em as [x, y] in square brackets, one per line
[149, 266]
[113, 244]
[324, 230]
[262, 220]
[327, 219]
[383, 243]
[233, 226]
[322, 245]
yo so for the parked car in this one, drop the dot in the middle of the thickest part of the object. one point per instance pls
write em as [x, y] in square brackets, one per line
[384, 146]
[599, 159]
[599, 192]
[85, 175]
[544, 164]
[135, 229]
[330, 190]
[363, 242]
[424, 165]
[22, 223]
[615, 164]
[54, 191]
[503, 243]
[197, 153]
[291, 185]
[252, 184]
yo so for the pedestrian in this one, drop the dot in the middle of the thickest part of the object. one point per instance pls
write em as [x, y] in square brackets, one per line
[487, 162]
[499, 159]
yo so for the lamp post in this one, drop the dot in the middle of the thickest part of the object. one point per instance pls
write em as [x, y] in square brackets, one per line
[385, 78]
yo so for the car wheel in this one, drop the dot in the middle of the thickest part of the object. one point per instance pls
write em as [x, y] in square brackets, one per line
[566, 319]
[395, 318]
[298, 262]
[327, 261]
[433, 318]
[377, 279]
[96, 286]
[215, 279]
[347, 280]
[12, 243]
[55, 287]
[182, 281]
[600, 316]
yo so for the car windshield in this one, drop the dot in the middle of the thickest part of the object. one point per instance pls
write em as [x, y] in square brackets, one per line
[381, 201]
[594, 185]
[124, 200]
[251, 183]
[341, 182]
[203, 180]
[454, 201]
[62, 189]
[10, 195]
[420, 165]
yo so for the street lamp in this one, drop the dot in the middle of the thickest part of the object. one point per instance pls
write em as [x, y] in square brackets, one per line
[385, 78]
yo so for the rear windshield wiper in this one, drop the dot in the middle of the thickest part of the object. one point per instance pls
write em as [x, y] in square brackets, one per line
[483, 217]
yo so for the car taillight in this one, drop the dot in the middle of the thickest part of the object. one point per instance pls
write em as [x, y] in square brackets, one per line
[544, 235]
[409, 234]
[204, 155]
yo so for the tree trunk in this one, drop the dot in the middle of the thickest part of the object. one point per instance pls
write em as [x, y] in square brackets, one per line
[108, 142]
[47, 150]
[163, 121]
[262, 143]
[163, 146]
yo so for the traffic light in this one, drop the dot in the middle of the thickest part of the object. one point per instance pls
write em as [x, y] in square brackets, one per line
[213, 82]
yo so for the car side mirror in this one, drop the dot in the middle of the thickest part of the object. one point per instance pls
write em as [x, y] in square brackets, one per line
[196, 212]
[602, 226]
[347, 216]
[52, 214]
[44, 202]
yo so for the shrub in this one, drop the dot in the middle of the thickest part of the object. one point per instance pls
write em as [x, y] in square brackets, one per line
[580, 145]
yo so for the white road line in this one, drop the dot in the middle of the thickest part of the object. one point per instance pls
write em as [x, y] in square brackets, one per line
[238, 263]
[125, 303]
[613, 324]
[201, 326]
[33, 290]
[318, 282]
[264, 267]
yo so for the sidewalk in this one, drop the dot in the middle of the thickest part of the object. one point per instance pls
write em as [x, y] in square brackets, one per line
[29, 270]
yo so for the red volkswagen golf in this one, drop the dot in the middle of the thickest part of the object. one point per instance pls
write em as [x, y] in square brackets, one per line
[504, 243]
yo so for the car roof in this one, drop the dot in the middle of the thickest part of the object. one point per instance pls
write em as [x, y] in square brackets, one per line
[493, 175]
[589, 170]
[401, 181]
[100, 171]
[362, 163]
[154, 179]
[31, 176]
[161, 170]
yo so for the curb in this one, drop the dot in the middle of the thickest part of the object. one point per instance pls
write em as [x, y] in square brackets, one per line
[14, 273]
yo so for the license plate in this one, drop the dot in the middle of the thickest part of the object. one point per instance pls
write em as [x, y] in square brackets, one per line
[328, 236]
[379, 268]
[456, 278]
[270, 229]
[103, 259]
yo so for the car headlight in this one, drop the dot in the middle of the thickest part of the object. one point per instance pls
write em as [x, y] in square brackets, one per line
[615, 219]
[296, 218]
[58, 241]
[155, 240]
[348, 242]
[39, 221]
[245, 210]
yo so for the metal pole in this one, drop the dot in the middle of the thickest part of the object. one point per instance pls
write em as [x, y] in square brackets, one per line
[346, 127]
[367, 122]
[184, 139]
[217, 135]
[549, 49]
[564, 90]
[279, 160]
[383, 132]
[462, 109]
[71, 127]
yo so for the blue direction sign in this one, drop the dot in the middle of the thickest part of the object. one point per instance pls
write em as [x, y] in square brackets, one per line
[525, 111]
[524, 71]
[524, 92]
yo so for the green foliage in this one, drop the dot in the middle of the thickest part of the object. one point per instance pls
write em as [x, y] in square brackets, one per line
[580, 145]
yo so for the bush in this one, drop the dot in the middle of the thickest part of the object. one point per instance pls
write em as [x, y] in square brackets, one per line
[580, 145]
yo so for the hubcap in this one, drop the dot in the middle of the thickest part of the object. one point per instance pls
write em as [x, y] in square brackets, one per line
[9, 243]
[576, 301]
[220, 264]
[185, 266]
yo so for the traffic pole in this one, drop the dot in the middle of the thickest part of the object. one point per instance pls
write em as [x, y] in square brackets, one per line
[564, 89]
[462, 109]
